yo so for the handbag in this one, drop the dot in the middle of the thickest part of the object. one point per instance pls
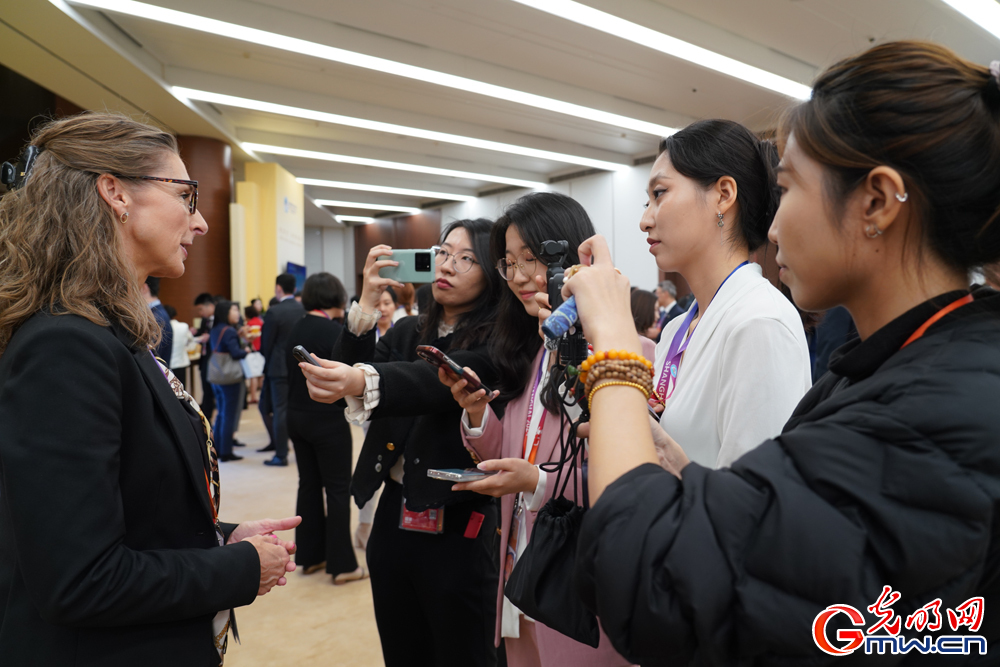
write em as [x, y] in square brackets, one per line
[253, 365]
[542, 584]
[222, 368]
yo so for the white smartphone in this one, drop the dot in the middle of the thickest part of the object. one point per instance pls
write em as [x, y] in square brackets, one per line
[460, 475]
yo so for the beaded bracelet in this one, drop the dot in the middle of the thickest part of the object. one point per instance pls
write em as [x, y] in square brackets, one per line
[627, 371]
[613, 355]
[613, 383]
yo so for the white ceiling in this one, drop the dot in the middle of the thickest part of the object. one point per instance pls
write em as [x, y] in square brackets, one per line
[130, 62]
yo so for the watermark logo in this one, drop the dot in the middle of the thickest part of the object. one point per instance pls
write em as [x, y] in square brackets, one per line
[889, 626]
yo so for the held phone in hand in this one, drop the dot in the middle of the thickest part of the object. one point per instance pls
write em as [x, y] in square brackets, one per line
[438, 358]
[653, 414]
[301, 354]
[459, 475]
[415, 266]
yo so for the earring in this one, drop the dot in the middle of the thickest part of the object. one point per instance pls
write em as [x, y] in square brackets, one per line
[869, 234]
[124, 217]
[902, 197]
[721, 221]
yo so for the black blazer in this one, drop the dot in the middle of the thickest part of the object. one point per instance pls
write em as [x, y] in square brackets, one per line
[108, 554]
[279, 321]
[416, 414]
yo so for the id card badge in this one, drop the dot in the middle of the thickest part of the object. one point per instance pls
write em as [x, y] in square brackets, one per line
[428, 521]
[515, 530]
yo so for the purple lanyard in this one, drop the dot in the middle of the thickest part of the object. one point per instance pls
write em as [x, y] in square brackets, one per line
[679, 344]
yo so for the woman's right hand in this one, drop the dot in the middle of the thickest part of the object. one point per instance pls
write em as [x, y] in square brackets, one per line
[374, 284]
[274, 562]
[473, 403]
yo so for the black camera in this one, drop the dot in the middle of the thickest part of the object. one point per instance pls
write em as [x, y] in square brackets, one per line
[571, 345]
[13, 175]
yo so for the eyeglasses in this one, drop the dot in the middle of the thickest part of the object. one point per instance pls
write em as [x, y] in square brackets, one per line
[192, 203]
[462, 261]
[525, 266]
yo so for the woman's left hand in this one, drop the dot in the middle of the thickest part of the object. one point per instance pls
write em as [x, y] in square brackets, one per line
[515, 476]
[266, 527]
[331, 380]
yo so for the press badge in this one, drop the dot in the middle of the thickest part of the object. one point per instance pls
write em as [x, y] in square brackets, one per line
[428, 521]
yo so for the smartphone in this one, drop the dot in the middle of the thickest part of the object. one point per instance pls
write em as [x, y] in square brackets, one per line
[301, 354]
[653, 414]
[415, 266]
[438, 358]
[459, 475]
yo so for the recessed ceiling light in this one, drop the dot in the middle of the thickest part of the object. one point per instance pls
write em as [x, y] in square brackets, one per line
[633, 32]
[375, 207]
[344, 185]
[304, 47]
[354, 218]
[336, 119]
[385, 164]
[984, 13]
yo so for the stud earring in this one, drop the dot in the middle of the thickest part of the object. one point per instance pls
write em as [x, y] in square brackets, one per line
[877, 232]
[721, 221]
[902, 197]
[124, 217]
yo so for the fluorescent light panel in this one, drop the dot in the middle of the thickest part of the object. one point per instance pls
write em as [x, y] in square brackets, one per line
[984, 13]
[354, 218]
[385, 164]
[336, 119]
[376, 207]
[304, 47]
[633, 32]
[344, 185]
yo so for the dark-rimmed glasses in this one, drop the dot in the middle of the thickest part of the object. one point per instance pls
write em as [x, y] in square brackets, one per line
[462, 260]
[192, 203]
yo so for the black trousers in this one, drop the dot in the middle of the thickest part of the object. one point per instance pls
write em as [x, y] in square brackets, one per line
[435, 595]
[207, 395]
[274, 410]
[322, 443]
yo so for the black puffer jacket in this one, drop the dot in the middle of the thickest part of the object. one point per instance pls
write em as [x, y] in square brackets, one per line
[888, 473]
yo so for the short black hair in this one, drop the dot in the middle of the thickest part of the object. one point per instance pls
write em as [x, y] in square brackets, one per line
[171, 311]
[222, 308]
[323, 291]
[154, 285]
[286, 282]
[203, 298]
[250, 312]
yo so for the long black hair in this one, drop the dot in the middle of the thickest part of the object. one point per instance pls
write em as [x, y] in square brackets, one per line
[538, 217]
[473, 326]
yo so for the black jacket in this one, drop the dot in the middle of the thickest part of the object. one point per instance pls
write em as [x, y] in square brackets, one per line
[887, 473]
[279, 321]
[416, 414]
[108, 553]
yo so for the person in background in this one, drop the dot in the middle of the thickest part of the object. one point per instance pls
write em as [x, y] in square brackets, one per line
[644, 314]
[151, 292]
[182, 340]
[224, 339]
[322, 440]
[258, 306]
[667, 306]
[387, 303]
[298, 296]
[835, 329]
[404, 301]
[279, 321]
[254, 324]
[204, 305]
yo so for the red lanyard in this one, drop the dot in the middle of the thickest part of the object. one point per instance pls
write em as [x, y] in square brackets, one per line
[320, 312]
[954, 305]
[531, 412]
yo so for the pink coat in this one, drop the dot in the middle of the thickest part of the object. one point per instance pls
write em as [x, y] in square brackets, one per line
[503, 440]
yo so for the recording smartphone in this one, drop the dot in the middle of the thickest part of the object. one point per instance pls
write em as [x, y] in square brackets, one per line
[415, 266]
[653, 414]
[459, 475]
[431, 354]
[301, 354]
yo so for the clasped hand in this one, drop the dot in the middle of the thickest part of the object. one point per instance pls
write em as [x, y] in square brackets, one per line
[274, 553]
[331, 380]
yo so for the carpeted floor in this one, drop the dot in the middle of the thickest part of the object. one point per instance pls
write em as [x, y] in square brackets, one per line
[310, 622]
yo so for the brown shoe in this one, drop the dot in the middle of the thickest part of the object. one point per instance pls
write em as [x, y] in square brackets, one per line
[312, 569]
[346, 577]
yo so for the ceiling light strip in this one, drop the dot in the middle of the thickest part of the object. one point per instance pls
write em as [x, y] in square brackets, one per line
[385, 164]
[354, 218]
[984, 13]
[633, 32]
[344, 185]
[331, 53]
[377, 126]
[374, 207]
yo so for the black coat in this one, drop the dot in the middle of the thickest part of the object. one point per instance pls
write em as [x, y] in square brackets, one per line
[279, 321]
[416, 414]
[108, 553]
[887, 473]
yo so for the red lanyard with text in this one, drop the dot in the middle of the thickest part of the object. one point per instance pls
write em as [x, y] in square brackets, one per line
[953, 306]
[531, 412]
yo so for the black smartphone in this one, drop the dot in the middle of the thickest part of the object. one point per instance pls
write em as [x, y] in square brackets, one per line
[439, 359]
[301, 354]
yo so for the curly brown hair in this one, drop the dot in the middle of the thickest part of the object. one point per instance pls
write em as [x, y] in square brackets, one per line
[60, 245]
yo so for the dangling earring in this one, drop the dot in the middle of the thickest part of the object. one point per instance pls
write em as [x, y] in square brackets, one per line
[868, 231]
[124, 217]
[902, 197]
[721, 221]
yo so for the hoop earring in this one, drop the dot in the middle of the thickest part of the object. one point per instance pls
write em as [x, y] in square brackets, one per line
[868, 231]
[902, 197]
[721, 221]
[124, 217]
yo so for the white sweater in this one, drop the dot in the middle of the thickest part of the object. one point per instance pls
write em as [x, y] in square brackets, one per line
[744, 371]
